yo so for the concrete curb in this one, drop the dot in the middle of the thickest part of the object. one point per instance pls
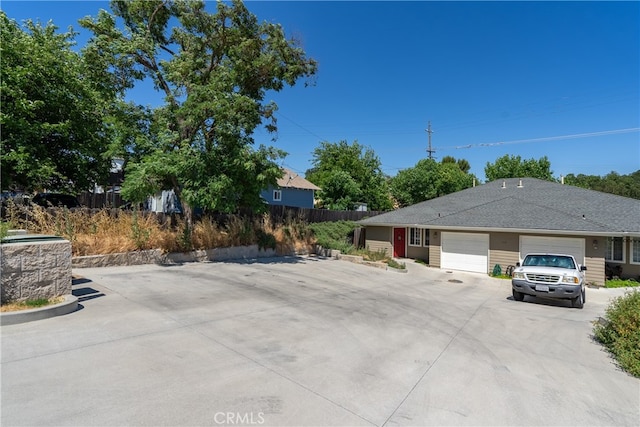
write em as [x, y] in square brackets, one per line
[357, 259]
[69, 305]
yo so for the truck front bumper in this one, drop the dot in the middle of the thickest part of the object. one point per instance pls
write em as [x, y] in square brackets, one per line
[546, 290]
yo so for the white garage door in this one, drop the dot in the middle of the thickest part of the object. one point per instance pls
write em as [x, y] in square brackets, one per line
[465, 251]
[552, 245]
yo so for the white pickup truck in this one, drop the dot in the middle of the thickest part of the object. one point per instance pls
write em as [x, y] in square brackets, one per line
[549, 276]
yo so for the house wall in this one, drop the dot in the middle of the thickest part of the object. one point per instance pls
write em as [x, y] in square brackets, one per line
[418, 252]
[434, 248]
[295, 197]
[629, 271]
[380, 239]
[503, 250]
[594, 259]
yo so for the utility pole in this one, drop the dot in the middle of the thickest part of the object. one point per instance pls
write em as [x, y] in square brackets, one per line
[430, 150]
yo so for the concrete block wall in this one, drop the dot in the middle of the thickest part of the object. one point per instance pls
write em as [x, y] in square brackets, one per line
[33, 270]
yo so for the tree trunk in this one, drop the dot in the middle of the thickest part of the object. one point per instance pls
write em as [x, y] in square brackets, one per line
[187, 212]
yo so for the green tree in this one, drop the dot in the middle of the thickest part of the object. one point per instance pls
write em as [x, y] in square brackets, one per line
[429, 179]
[614, 183]
[340, 191]
[358, 162]
[53, 112]
[463, 164]
[213, 70]
[509, 166]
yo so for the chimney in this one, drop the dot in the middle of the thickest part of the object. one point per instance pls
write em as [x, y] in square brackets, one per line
[562, 179]
[520, 183]
[504, 184]
[474, 182]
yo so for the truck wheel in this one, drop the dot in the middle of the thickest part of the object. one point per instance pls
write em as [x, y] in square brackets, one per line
[518, 296]
[578, 302]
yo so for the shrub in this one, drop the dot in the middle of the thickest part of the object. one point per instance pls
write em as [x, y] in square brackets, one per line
[369, 255]
[265, 240]
[334, 235]
[5, 226]
[620, 283]
[395, 264]
[620, 333]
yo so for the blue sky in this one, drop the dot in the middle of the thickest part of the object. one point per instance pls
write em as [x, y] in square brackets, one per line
[555, 79]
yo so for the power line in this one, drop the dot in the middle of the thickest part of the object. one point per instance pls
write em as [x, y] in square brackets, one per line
[548, 138]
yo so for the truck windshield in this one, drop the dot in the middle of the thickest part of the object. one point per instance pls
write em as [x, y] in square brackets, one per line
[549, 261]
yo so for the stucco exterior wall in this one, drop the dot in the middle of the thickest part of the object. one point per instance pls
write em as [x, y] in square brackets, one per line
[380, 239]
[631, 271]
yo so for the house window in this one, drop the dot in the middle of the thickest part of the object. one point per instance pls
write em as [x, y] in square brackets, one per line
[277, 195]
[635, 250]
[415, 237]
[615, 249]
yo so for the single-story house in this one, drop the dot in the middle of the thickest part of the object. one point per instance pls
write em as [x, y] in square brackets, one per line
[292, 190]
[501, 221]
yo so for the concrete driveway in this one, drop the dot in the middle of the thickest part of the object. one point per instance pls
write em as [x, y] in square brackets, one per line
[310, 342]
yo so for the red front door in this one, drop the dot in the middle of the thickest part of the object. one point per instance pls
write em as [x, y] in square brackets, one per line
[399, 244]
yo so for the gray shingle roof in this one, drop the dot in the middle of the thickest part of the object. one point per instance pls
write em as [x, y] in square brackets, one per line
[537, 205]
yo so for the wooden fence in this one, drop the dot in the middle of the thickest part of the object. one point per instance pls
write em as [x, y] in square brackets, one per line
[278, 214]
[99, 201]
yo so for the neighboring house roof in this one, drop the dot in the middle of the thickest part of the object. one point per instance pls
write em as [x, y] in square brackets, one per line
[291, 179]
[535, 205]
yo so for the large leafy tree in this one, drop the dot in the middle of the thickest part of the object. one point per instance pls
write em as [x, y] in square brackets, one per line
[213, 70]
[463, 164]
[340, 192]
[429, 179]
[53, 111]
[355, 161]
[614, 183]
[509, 166]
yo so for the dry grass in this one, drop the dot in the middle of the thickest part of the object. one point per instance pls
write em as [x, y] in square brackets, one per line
[116, 231]
[293, 236]
[24, 305]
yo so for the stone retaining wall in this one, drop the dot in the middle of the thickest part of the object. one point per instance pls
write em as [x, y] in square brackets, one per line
[34, 270]
[157, 257]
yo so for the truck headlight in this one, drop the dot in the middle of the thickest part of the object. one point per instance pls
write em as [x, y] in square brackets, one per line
[518, 275]
[570, 279]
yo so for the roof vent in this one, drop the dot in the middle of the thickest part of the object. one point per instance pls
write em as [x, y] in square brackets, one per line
[520, 183]
[504, 184]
